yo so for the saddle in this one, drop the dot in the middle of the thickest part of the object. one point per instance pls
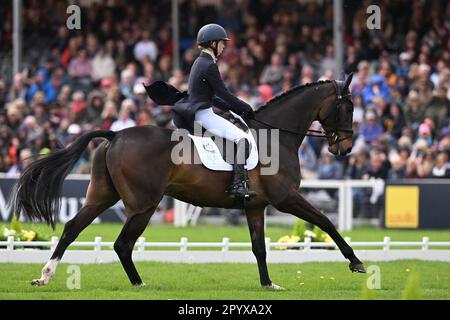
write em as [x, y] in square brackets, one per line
[217, 153]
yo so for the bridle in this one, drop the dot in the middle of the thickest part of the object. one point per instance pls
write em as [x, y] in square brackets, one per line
[332, 135]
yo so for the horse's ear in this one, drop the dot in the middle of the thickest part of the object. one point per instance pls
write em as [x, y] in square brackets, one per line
[348, 81]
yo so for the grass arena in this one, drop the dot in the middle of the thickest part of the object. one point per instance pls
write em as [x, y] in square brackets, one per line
[404, 279]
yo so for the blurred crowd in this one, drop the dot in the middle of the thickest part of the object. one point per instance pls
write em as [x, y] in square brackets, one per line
[75, 81]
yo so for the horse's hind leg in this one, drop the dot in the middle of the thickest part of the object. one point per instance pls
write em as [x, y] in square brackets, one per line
[133, 228]
[299, 207]
[99, 197]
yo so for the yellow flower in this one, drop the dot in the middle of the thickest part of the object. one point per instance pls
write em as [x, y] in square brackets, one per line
[331, 278]
[28, 235]
[287, 239]
[322, 277]
[327, 238]
[408, 270]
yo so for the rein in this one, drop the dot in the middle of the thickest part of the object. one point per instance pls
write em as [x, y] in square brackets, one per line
[322, 132]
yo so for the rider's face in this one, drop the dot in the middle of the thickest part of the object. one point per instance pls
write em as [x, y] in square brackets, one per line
[220, 47]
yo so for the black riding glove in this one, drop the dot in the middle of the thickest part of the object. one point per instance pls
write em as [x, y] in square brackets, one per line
[248, 114]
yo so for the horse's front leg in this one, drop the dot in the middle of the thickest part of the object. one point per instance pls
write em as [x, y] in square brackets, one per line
[299, 207]
[255, 219]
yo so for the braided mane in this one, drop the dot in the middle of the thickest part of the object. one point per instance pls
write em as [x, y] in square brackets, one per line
[290, 91]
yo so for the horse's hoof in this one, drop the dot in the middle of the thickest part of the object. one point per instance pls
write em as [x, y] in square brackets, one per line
[357, 267]
[141, 284]
[274, 287]
[37, 282]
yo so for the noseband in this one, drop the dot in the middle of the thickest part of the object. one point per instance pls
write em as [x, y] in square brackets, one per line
[333, 134]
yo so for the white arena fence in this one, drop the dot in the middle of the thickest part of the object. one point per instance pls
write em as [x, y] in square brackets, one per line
[12, 251]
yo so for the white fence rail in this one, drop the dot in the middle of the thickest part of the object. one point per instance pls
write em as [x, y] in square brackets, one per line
[306, 251]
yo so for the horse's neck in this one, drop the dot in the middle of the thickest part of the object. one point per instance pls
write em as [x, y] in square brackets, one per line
[295, 114]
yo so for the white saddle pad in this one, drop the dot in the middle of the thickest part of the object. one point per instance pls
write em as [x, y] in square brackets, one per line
[212, 159]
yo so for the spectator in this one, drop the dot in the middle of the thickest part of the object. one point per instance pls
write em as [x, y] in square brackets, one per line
[371, 129]
[78, 108]
[42, 85]
[308, 160]
[25, 158]
[379, 166]
[80, 67]
[414, 111]
[438, 106]
[358, 165]
[109, 115]
[377, 87]
[329, 168]
[124, 121]
[103, 65]
[398, 167]
[441, 168]
[146, 48]
[273, 73]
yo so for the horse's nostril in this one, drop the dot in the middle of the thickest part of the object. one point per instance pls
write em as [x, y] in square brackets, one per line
[349, 150]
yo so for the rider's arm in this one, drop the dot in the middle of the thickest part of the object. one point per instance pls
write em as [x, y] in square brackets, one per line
[214, 79]
[219, 103]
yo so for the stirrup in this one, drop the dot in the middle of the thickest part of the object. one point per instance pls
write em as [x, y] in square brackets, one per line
[241, 191]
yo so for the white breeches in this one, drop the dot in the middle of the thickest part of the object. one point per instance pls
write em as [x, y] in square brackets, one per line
[218, 125]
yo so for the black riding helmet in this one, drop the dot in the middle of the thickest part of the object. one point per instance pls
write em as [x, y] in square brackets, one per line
[211, 32]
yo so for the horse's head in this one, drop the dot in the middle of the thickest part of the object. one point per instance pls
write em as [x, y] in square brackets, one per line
[336, 117]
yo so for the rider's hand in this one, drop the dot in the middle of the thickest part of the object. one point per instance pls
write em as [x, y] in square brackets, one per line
[248, 114]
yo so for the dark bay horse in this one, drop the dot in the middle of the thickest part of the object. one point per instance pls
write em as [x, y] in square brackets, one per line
[135, 165]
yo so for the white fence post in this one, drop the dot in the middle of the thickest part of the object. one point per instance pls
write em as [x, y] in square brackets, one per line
[307, 244]
[348, 205]
[267, 240]
[54, 243]
[386, 243]
[98, 244]
[425, 243]
[225, 244]
[341, 208]
[183, 244]
[97, 249]
[141, 244]
[10, 244]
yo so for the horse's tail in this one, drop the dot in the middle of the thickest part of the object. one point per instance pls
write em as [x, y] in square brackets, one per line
[38, 191]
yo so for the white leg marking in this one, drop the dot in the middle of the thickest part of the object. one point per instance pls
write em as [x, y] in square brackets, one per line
[47, 272]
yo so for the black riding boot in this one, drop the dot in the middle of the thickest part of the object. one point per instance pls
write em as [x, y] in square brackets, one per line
[240, 185]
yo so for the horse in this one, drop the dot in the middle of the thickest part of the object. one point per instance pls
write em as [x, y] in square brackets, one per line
[135, 165]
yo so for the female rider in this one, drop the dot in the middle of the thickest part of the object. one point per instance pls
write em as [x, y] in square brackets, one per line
[205, 89]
